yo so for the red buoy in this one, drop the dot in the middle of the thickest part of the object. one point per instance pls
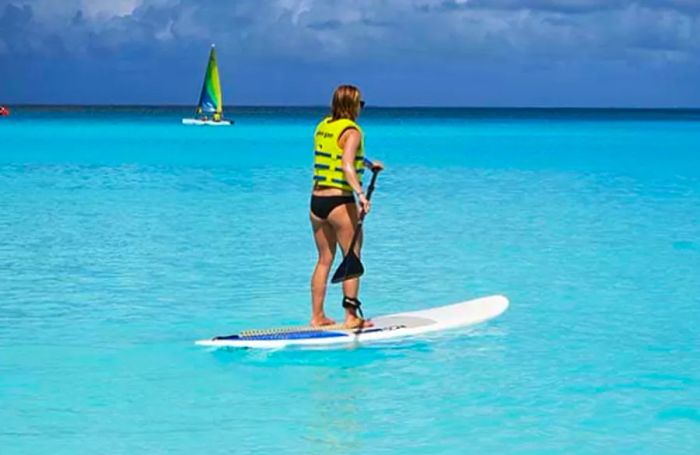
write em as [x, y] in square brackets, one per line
[4, 111]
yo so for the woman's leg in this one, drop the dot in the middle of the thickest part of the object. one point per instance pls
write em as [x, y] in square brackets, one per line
[343, 219]
[325, 239]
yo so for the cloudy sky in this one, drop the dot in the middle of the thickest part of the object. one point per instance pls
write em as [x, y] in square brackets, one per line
[401, 52]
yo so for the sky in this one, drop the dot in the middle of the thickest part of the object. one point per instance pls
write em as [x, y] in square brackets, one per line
[492, 53]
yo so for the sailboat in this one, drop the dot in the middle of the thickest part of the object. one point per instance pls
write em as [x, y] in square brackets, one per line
[210, 109]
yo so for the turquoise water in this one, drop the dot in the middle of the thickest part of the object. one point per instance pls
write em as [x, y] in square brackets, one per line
[125, 236]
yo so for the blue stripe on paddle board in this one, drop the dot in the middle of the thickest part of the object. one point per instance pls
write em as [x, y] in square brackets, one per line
[285, 336]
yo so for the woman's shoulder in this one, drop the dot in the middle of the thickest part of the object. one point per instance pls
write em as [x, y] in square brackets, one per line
[340, 124]
[347, 123]
[348, 132]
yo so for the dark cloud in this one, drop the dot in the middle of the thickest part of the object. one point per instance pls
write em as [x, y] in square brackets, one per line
[14, 28]
[558, 6]
[326, 25]
[378, 23]
[78, 19]
[278, 37]
[14, 17]
[491, 28]
[562, 6]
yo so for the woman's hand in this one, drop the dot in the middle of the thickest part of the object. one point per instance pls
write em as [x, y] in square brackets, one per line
[377, 165]
[364, 203]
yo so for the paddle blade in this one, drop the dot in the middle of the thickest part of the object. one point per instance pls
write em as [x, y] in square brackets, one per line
[350, 268]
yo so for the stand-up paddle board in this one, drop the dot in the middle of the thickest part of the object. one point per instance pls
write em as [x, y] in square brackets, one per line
[385, 327]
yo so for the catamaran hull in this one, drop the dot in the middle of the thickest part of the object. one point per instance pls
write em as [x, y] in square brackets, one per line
[194, 121]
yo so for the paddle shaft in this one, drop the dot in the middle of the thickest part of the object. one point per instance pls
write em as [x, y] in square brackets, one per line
[358, 228]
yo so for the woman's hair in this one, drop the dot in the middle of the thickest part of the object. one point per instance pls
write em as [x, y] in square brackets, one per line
[346, 101]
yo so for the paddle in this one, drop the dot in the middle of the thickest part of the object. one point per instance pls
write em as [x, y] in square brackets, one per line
[351, 267]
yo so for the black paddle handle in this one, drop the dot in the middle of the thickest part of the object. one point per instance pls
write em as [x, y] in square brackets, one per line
[370, 190]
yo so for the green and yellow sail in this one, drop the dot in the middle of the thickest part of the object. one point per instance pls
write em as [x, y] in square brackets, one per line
[210, 100]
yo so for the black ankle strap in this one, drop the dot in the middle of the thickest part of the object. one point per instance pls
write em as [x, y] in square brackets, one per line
[350, 302]
[354, 304]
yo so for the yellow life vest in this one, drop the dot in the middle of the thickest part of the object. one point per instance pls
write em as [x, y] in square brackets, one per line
[328, 155]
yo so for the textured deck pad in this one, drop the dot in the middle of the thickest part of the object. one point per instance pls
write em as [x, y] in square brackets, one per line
[330, 331]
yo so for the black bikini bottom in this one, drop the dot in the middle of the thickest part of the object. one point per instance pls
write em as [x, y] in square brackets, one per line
[322, 206]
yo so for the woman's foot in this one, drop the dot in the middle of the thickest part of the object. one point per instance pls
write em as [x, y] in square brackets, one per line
[354, 322]
[321, 320]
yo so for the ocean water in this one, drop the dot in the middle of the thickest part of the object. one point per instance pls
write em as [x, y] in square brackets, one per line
[125, 236]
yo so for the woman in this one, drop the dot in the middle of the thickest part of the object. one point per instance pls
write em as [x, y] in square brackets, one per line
[339, 161]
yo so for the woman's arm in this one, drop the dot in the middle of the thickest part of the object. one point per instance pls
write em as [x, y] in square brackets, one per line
[350, 141]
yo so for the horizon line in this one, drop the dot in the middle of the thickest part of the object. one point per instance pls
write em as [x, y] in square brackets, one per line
[369, 106]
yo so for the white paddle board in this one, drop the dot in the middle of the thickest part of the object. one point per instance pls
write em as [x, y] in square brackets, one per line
[385, 327]
[194, 121]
